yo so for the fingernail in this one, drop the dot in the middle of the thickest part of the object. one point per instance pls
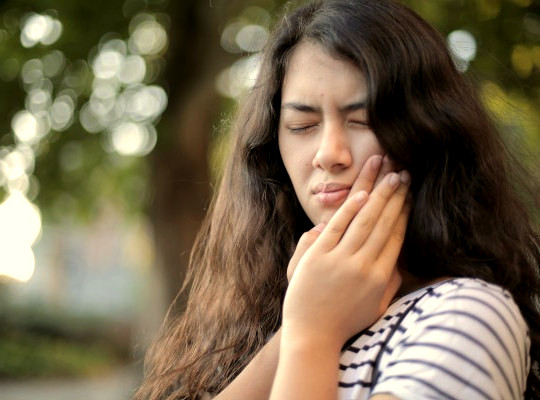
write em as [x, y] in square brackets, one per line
[376, 162]
[404, 177]
[319, 227]
[361, 196]
[394, 179]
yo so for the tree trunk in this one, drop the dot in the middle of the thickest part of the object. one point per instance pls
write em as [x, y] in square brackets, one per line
[180, 169]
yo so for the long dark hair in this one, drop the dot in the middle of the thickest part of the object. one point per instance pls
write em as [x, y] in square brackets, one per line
[466, 220]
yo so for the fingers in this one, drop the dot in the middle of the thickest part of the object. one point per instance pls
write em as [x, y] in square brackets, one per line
[392, 247]
[363, 224]
[372, 173]
[387, 166]
[368, 175]
[338, 224]
[305, 242]
[387, 227]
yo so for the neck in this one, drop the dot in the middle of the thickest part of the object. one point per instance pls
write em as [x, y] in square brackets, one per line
[410, 283]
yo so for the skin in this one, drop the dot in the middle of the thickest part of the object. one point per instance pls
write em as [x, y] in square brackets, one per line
[350, 256]
[255, 381]
[324, 139]
[352, 262]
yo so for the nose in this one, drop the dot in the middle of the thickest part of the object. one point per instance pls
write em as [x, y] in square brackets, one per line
[334, 152]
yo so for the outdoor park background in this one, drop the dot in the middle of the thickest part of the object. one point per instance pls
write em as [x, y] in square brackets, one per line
[113, 119]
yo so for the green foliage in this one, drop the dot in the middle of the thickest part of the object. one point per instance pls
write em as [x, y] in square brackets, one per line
[74, 174]
[506, 68]
[38, 341]
[24, 354]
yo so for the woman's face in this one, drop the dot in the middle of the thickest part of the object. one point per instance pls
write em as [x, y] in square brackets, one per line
[323, 137]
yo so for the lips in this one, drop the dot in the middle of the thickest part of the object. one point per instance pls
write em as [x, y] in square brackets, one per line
[331, 193]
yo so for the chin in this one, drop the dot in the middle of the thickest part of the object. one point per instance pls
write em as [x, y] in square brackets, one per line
[324, 219]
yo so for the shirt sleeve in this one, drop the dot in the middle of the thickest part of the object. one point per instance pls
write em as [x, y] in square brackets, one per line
[469, 343]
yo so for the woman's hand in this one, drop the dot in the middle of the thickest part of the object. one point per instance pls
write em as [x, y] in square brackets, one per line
[371, 174]
[255, 381]
[345, 280]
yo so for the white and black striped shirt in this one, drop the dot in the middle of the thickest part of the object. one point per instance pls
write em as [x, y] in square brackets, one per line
[458, 339]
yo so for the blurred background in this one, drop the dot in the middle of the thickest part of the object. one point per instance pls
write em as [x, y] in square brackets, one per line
[113, 121]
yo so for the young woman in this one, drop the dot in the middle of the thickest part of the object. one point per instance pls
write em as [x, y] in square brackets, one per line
[364, 170]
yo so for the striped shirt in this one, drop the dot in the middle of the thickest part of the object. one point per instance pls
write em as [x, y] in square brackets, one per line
[458, 339]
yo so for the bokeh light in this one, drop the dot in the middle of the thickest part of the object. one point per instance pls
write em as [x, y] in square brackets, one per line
[145, 103]
[251, 38]
[20, 227]
[32, 71]
[16, 165]
[463, 46]
[38, 100]
[28, 127]
[121, 103]
[241, 76]
[148, 36]
[522, 60]
[228, 37]
[38, 28]
[53, 63]
[107, 64]
[133, 70]
[61, 112]
[133, 139]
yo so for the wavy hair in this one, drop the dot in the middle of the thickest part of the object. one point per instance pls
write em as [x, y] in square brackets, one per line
[467, 218]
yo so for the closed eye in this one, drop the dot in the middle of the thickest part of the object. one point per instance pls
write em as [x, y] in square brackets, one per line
[359, 123]
[300, 129]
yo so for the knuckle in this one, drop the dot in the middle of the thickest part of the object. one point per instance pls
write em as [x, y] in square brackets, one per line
[387, 222]
[335, 228]
[367, 222]
[307, 239]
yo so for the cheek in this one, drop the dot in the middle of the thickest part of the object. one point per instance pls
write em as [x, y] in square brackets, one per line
[293, 157]
[367, 146]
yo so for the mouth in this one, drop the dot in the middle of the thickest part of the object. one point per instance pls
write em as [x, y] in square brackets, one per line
[331, 194]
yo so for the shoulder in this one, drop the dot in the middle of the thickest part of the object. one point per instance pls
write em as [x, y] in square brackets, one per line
[464, 336]
[473, 312]
[467, 295]
[477, 304]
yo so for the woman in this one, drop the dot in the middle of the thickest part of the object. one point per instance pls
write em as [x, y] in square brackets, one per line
[448, 309]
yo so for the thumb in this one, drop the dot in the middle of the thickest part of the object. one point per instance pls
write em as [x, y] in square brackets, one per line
[305, 242]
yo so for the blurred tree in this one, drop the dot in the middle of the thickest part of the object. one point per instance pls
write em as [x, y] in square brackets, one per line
[506, 62]
[180, 174]
[77, 83]
[71, 172]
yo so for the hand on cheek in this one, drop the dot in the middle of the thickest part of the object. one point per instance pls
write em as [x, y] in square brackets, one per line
[305, 242]
[345, 276]
[372, 173]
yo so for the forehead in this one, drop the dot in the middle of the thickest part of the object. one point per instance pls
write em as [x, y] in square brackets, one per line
[314, 74]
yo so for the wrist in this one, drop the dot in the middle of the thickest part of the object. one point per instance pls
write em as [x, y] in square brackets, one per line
[296, 340]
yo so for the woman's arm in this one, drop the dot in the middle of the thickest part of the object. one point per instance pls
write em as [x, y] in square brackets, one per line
[342, 284]
[308, 368]
[255, 381]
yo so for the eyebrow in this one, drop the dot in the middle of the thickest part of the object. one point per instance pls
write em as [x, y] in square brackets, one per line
[359, 105]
